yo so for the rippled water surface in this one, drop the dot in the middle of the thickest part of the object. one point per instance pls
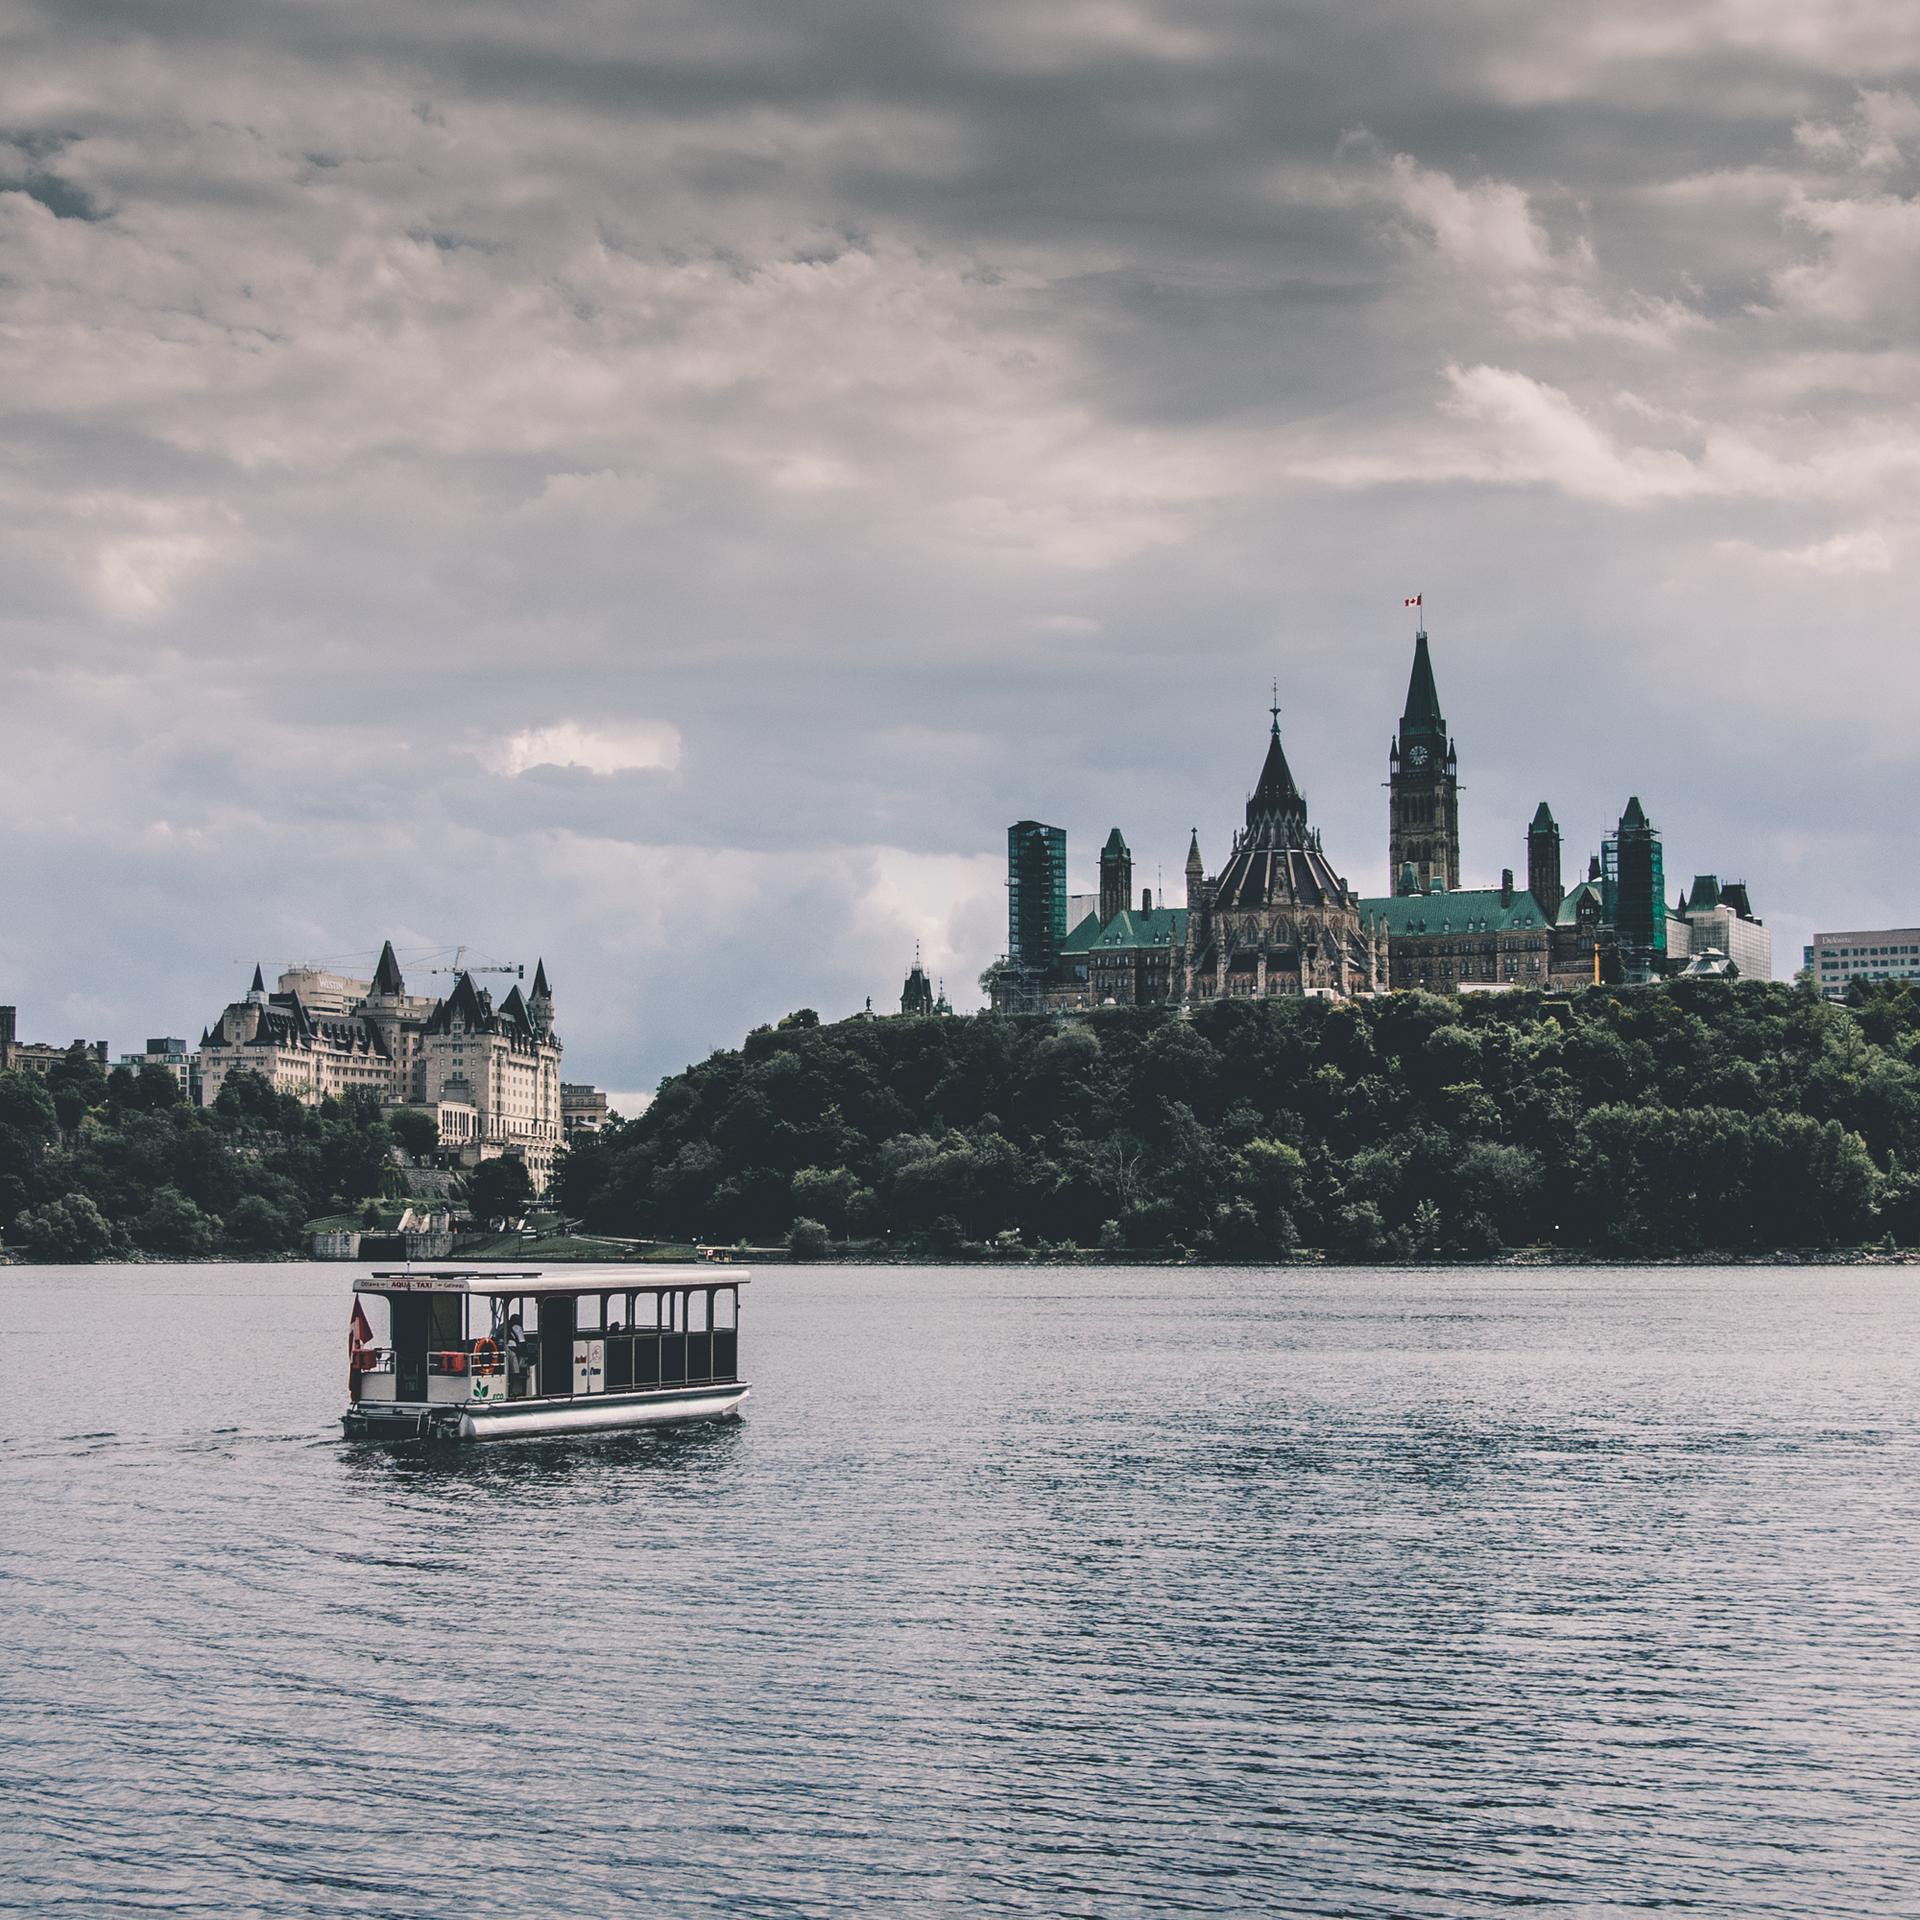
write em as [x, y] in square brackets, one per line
[1035, 1592]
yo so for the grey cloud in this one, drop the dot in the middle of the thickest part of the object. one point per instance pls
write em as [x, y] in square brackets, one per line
[935, 416]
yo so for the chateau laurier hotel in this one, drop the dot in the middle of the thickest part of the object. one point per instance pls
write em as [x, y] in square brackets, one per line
[1278, 919]
[489, 1076]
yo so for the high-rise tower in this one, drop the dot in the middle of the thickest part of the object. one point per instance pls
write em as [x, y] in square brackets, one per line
[1423, 787]
[1634, 893]
[1036, 894]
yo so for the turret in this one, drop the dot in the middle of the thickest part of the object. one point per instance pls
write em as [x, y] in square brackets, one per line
[540, 1002]
[1543, 861]
[386, 976]
[1116, 878]
[257, 993]
[1423, 786]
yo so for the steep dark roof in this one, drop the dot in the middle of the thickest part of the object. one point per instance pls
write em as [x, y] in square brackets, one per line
[1277, 811]
[386, 976]
[467, 1001]
[1705, 893]
[513, 1009]
[1195, 867]
[1270, 873]
[1734, 896]
[1543, 820]
[1422, 716]
[259, 983]
[541, 991]
[1635, 815]
[1115, 843]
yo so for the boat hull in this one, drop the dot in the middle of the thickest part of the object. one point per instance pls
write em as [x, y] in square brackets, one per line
[546, 1419]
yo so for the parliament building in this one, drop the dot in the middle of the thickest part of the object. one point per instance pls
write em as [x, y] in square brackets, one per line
[1278, 919]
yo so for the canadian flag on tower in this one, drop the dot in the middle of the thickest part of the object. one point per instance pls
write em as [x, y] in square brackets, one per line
[1414, 602]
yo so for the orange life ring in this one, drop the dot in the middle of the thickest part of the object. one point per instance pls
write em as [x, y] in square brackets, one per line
[486, 1356]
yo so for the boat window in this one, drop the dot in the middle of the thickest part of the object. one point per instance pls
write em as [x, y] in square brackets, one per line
[443, 1321]
[586, 1313]
[726, 1336]
[697, 1310]
[646, 1312]
[619, 1312]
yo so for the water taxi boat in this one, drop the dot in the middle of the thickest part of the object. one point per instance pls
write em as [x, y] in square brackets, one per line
[484, 1354]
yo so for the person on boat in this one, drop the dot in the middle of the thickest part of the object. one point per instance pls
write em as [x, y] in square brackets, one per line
[512, 1335]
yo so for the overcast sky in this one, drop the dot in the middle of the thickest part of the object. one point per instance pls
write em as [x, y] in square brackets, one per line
[662, 486]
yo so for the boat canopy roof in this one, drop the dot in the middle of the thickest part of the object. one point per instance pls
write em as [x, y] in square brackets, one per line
[500, 1282]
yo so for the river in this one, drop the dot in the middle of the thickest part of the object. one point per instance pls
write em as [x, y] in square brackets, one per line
[1015, 1591]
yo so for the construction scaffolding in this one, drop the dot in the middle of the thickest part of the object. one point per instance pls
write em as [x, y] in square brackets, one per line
[1036, 895]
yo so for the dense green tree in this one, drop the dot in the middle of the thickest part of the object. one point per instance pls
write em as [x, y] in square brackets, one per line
[69, 1228]
[1695, 1116]
[172, 1224]
[77, 1083]
[169, 1178]
[500, 1189]
[808, 1239]
[257, 1224]
[415, 1130]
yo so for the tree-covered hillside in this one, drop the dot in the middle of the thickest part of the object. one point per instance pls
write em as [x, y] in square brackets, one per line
[98, 1166]
[1639, 1122]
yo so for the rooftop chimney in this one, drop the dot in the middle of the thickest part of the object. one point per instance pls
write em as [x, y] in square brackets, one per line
[1506, 886]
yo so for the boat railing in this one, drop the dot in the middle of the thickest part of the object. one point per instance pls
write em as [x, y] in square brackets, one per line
[459, 1360]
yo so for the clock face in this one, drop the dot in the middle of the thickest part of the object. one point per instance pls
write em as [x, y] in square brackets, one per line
[1417, 756]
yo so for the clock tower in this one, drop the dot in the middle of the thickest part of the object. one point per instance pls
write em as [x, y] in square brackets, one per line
[1423, 788]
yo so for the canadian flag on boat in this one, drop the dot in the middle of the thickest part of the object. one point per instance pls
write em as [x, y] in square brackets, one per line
[359, 1340]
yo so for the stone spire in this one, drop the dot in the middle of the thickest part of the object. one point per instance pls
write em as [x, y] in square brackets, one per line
[1277, 810]
[1422, 718]
[540, 1002]
[1543, 860]
[1116, 878]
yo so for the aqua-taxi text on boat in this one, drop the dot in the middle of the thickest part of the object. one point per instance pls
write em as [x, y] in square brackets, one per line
[483, 1354]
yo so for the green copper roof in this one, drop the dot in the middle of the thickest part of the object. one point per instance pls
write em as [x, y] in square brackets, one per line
[1115, 844]
[1570, 906]
[1705, 894]
[1423, 699]
[1468, 910]
[1543, 820]
[1635, 815]
[1130, 927]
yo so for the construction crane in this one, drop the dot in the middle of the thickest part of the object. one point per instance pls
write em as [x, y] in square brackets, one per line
[459, 965]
